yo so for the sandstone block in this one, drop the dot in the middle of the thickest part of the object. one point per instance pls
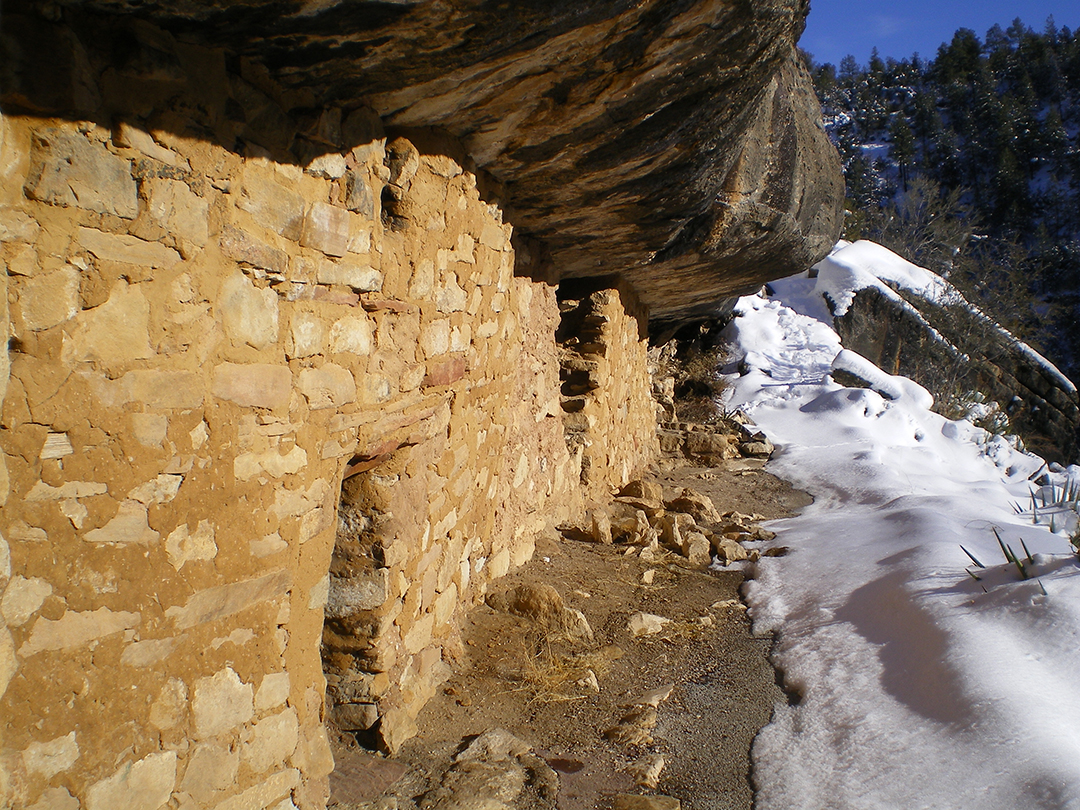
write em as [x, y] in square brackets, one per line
[67, 169]
[156, 389]
[222, 702]
[267, 546]
[353, 334]
[264, 794]
[319, 593]
[161, 489]
[710, 445]
[435, 338]
[257, 385]
[56, 799]
[729, 551]
[57, 445]
[419, 635]
[307, 335]
[646, 624]
[445, 605]
[49, 299]
[697, 548]
[330, 166]
[149, 652]
[270, 741]
[326, 228]
[358, 194]
[357, 275]
[328, 386]
[373, 389]
[178, 209]
[8, 663]
[114, 333]
[183, 545]
[272, 462]
[241, 247]
[493, 235]
[224, 600]
[273, 691]
[499, 564]
[360, 240]
[357, 592]
[250, 315]
[171, 705]
[355, 716]
[135, 138]
[129, 527]
[23, 260]
[50, 758]
[272, 205]
[445, 373]
[122, 247]
[643, 490]
[150, 429]
[212, 767]
[75, 629]
[396, 728]
[449, 297]
[22, 598]
[143, 785]
[313, 755]
[69, 489]
[423, 279]
[17, 226]
[695, 504]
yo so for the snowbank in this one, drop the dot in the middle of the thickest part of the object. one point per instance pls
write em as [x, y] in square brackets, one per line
[921, 686]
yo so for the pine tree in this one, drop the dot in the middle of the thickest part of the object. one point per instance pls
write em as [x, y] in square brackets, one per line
[903, 147]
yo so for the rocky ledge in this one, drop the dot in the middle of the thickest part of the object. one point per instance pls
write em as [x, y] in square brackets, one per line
[677, 143]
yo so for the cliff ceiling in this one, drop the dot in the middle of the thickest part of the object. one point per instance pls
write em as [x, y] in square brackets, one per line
[677, 142]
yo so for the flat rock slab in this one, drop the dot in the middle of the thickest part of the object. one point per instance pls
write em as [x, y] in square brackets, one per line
[360, 776]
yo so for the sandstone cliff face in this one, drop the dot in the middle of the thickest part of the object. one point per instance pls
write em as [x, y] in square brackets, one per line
[677, 143]
[282, 396]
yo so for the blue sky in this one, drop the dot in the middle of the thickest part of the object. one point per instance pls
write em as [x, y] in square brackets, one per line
[898, 29]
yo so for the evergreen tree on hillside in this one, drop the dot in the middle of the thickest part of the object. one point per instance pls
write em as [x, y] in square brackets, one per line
[987, 135]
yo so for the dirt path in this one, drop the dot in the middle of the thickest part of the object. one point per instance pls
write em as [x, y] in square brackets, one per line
[537, 685]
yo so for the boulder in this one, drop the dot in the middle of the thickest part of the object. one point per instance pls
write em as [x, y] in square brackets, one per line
[643, 490]
[697, 548]
[695, 504]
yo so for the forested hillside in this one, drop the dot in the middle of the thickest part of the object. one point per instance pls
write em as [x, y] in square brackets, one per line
[969, 164]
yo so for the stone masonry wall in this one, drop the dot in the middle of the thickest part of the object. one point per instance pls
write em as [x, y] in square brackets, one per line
[610, 413]
[212, 348]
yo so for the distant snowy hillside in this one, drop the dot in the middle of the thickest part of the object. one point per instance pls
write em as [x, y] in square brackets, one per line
[969, 163]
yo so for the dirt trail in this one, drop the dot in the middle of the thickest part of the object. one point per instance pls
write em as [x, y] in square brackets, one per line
[537, 685]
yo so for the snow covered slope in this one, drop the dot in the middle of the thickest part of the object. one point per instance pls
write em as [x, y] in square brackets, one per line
[920, 687]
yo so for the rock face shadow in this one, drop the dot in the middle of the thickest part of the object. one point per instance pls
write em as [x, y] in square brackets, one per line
[911, 649]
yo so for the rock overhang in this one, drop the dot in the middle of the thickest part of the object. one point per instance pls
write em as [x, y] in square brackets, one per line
[676, 143]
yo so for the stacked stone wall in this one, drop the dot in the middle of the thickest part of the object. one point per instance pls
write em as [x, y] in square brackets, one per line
[227, 318]
[610, 412]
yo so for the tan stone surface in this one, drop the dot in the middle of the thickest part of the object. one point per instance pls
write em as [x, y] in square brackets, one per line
[180, 421]
[50, 758]
[221, 703]
[143, 785]
[74, 629]
[115, 332]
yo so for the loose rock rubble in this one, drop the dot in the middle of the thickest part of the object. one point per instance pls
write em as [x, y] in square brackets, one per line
[687, 525]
